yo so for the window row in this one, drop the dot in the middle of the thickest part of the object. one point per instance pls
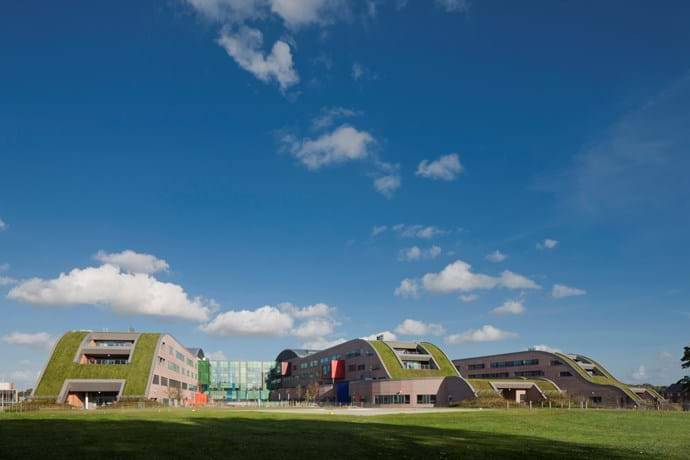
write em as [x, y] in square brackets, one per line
[516, 363]
[392, 399]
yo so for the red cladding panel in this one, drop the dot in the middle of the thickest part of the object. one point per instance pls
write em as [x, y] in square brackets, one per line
[284, 369]
[337, 369]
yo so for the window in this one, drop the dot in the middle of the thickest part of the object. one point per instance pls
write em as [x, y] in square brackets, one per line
[392, 399]
[179, 356]
[494, 375]
[474, 367]
[184, 386]
[361, 367]
[529, 373]
[174, 367]
[516, 363]
[565, 374]
[556, 362]
[155, 380]
[595, 399]
[426, 399]
[352, 367]
[164, 381]
[106, 361]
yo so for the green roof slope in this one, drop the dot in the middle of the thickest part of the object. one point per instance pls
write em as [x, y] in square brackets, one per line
[606, 379]
[61, 366]
[397, 371]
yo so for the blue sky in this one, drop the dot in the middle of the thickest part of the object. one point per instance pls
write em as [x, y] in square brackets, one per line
[251, 175]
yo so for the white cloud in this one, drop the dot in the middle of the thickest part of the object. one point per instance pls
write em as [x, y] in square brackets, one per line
[329, 115]
[496, 256]
[547, 244]
[458, 276]
[419, 328]
[321, 344]
[418, 231]
[357, 71]
[298, 13]
[7, 281]
[559, 291]
[468, 297]
[217, 356]
[416, 253]
[108, 286]
[266, 320]
[454, 6]
[4, 267]
[3, 225]
[387, 335]
[510, 307]
[387, 185]
[23, 378]
[378, 229]
[408, 289]
[244, 46]
[546, 348]
[639, 374]
[447, 167]
[485, 333]
[317, 310]
[36, 339]
[318, 327]
[133, 262]
[343, 144]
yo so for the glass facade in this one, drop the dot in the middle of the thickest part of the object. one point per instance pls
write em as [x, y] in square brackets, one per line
[239, 380]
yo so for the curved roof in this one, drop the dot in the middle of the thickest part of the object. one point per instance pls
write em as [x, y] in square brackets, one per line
[291, 353]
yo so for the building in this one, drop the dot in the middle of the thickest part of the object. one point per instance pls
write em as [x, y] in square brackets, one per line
[239, 380]
[524, 375]
[90, 369]
[8, 394]
[370, 372]
[676, 393]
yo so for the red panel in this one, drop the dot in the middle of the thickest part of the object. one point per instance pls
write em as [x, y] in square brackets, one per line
[200, 398]
[337, 369]
[284, 369]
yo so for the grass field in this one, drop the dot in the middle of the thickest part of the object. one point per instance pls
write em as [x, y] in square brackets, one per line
[238, 434]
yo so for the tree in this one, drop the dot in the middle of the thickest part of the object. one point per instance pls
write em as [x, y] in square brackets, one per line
[311, 392]
[685, 360]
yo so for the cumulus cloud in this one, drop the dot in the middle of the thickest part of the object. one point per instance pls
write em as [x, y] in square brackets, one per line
[468, 297]
[408, 289]
[329, 115]
[418, 231]
[485, 333]
[298, 13]
[547, 244]
[310, 311]
[419, 328]
[559, 291]
[341, 145]
[7, 281]
[266, 320]
[387, 185]
[244, 46]
[415, 253]
[108, 286]
[454, 6]
[133, 262]
[35, 339]
[3, 225]
[496, 256]
[459, 277]
[546, 348]
[359, 72]
[314, 328]
[321, 344]
[217, 356]
[639, 374]
[378, 229]
[510, 307]
[446, 168]
[387, 335]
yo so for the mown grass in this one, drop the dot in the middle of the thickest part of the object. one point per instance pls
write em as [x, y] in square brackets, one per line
[61, 366]
[269, 435]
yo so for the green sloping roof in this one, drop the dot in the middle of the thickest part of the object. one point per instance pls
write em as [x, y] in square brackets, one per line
[397, 371]
[546, 386]
[606, 379]
[61, 366]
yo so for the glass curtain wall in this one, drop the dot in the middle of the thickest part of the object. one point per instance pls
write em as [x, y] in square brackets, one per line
[239, 380]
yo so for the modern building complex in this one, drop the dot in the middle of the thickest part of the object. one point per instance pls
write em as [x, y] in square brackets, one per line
[372, 372]
[8, 394]
[532, 375]
[89, 369]
[239, 380]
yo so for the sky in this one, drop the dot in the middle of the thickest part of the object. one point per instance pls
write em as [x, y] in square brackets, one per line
[253, 175]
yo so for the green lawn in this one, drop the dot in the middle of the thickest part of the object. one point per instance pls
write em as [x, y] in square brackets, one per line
[239, 434]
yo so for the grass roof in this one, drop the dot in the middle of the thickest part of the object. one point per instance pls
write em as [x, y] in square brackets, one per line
[397, 371]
